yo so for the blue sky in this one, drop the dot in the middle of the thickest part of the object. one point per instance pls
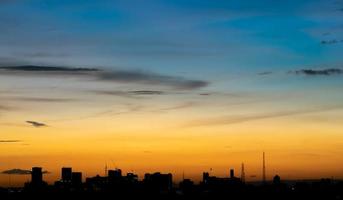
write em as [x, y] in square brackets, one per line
[172, 36]
[232, 46]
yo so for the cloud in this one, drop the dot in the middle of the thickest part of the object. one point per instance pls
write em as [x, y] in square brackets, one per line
[33, 68]
[4, 107]
[41, 99]
[9, 141]
[264, 73]
[129, 94]
[151, 79]
[328, 42]
[20, 172]
[181, 106]
[146, 92]
[36, 124]
[235, 119]
[17, 171]
[318, 72]
[120, 76]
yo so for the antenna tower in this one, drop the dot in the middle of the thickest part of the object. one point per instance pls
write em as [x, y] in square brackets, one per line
[264, 169]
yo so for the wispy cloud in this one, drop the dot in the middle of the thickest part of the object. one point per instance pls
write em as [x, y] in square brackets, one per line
[17, 172]
[151, 79]
[36, 124]
[235, 119]
[20, 172]
[2, 107]
[328, 42]
[33, 68]
[146, 92]
[265, 73]
[318, 72]
[129, 93]
[40, 99]
[181, 106]
[9, 141]
[120, 76]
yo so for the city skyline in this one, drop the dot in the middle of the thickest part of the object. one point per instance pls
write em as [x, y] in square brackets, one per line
[179, 86]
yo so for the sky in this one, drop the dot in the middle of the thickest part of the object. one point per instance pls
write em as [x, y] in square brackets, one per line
[179, 86]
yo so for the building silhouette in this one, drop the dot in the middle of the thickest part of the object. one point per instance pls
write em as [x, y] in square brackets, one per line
[158, 181]
[76, 179]
[66, 174]
[36, 176]
[160, 186]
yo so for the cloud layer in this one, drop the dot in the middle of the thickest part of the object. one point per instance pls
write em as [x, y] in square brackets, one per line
[318, 72]
[120, 76]
[235, 119]
[17, 171]
[9, 141]
[20, 172]
[36, 124]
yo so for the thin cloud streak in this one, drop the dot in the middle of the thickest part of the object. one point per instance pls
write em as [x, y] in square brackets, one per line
[20, 172]
[129, 94]
[319, 72]
[17, 172]
[9, 141]
[119, 76]
[36, 124]
[40, 99]
[236, 119]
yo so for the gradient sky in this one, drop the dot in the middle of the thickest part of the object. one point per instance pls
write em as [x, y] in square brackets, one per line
[172, 86]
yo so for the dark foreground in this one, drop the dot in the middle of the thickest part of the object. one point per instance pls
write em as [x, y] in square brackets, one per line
[323, 189]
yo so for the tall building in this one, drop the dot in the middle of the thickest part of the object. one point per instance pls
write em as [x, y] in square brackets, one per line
[36, 175]
[264, 169]
[242, 173]
[66, 174]
[232, 173]
[76, 178]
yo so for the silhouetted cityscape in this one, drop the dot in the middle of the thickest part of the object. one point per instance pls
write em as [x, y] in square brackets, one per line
[116, 185]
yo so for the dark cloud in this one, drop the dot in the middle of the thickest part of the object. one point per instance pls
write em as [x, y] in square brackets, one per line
[121, 76]
[328, 42]
[9, 141]
[235, 119]
[318, 72]
[33, 68]
[36, 124]
[146, 92]
[151, 79]
[129, 94]
[264, 73]
[20, 172]
[17, 171]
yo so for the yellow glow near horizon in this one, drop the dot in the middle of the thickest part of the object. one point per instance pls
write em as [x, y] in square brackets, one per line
[298, 150]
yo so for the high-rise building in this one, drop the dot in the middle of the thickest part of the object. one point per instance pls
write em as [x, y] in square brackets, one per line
[76, 178]
[66, 174]
[264, 169]
[36, 175]
[242, 173]
[232, 173]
